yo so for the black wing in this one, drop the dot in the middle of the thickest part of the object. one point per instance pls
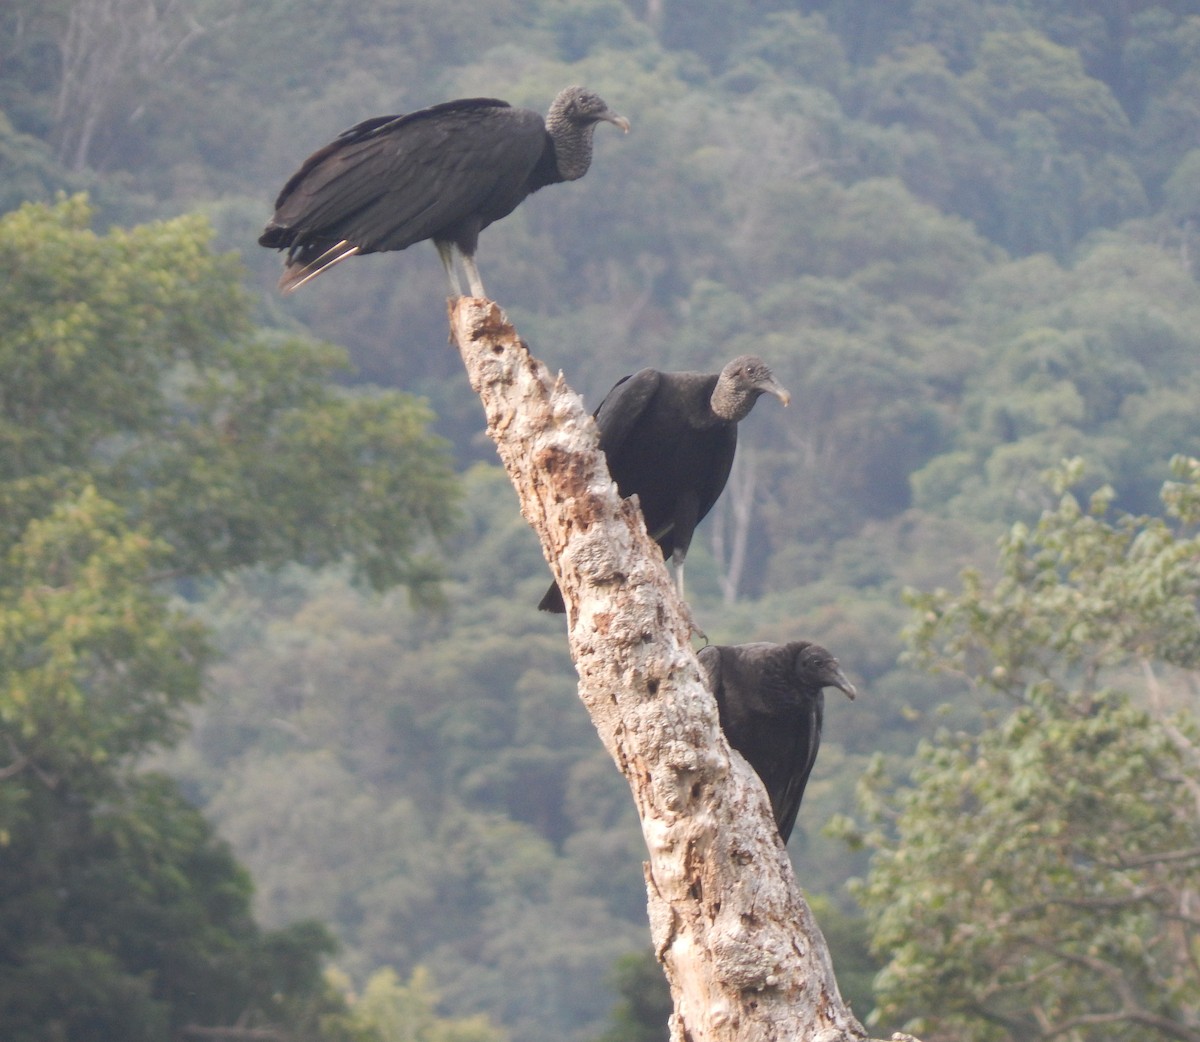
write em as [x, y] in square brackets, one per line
[736, 704]
[392, 181]
[774, 726]
[710, 662]
[717, 473]
[795, 770]
[624, 406]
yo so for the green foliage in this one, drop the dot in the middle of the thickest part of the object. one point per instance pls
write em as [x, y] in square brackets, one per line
[129, 919]
[27, 168]
[1037, 880]
[1026, 72]
[94, 664]
[291, 472]
[644, 1002]
[130, 356]
[93, 326]
[147, 435]
[389, 1010]
[1077, 595]
[493, 841]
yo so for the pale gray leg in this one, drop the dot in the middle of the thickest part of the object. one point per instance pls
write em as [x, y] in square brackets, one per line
[446, 252]
[473, 278]
[677, 568]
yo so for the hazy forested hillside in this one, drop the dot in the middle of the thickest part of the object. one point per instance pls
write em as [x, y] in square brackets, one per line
[962, 232]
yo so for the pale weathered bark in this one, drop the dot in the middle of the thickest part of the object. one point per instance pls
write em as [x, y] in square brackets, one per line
[741, 949]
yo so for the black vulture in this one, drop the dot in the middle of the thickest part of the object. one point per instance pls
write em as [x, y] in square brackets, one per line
[670, 438]
[443, 173]
[771, 705]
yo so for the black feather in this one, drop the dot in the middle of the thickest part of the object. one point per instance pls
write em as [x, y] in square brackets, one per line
[670, 439]
[772, 706]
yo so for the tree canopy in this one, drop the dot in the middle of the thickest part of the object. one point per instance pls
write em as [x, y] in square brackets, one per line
[151, 436]
[1037, 880]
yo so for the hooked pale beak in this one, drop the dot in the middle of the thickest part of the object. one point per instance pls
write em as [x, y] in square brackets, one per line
[616, 121]
[839, 680]
[780, 392]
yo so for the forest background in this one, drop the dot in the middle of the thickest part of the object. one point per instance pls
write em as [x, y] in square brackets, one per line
[962, 232]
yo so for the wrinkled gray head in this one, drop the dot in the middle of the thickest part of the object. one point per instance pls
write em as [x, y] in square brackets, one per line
[740, 384]
[814, 665]
[570, 122]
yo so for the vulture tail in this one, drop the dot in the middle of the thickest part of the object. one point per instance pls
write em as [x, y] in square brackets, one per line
[297, 271]
[553, 601]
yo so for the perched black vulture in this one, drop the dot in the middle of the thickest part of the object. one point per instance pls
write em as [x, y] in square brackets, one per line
[444, 173]
[771, 704]
[670, 438]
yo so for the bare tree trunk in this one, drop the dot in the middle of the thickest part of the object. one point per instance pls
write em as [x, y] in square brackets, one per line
[108, 46]
[730, 525]
[741, 949]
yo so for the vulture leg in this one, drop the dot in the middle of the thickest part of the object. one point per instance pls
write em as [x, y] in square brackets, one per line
[476, 283]
[677, 575]
[446, 252]
[687, 516]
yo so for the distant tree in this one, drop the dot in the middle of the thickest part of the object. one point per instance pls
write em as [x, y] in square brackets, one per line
[731, 524]
[28, 65]
[941, 153]
[123, 916]
[391, 1010]
[108, 51]
[1182, 207]
[1041, 877]
[147, 435]
[1159, 64]
[1027, 72]
[28, 170]
[130, 363]
[643, 1001]
[1065, 141]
